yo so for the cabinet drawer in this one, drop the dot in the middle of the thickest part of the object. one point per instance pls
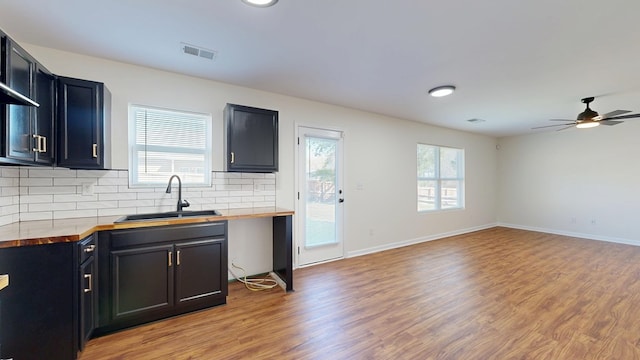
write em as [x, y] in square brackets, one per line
[171, 233]
[86, 248]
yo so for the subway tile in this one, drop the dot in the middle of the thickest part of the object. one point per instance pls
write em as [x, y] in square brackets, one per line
[10, 209]
[51, 207]
[29, 216]
[28, 199]
[97, 205]
[110, 181]
[75, 197]
[74, 181]
[105, 189]
[8, 181]
[35, 190]
[253, 175]
[228, 187]
[97, 173]
[116, 211]
[240, 181]
[135, 203]
[72, 214]
[10, 172]
[116, 196]
[9, 191]
[51, 173]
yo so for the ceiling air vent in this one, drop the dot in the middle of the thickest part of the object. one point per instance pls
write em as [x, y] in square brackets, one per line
[476, 120]
[198, 51]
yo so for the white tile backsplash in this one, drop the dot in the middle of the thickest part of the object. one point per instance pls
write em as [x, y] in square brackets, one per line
[28, 193]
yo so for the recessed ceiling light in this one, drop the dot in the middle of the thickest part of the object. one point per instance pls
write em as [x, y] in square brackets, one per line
[441, 91]
[260, 3]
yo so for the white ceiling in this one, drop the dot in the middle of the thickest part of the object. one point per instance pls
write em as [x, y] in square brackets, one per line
[515, 63]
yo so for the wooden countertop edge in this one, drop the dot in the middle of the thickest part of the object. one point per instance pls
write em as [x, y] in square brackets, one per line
[107, 223]
[4, 281]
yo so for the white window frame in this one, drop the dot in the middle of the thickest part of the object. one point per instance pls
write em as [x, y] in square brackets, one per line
[134, 148]
[438, 179]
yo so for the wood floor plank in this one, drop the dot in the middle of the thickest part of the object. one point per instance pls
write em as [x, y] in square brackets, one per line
[493, 294]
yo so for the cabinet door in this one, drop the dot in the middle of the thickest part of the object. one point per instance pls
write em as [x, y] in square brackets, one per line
[45, 92]
[37, 306]
[201, 269]
[80, 124]
[20, 67]
[252, 139]
[87, 300]
[142, 281]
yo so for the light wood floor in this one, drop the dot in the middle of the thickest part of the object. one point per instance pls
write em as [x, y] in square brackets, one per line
[493, 294]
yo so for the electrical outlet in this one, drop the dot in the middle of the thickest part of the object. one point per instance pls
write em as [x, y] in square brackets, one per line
[593, 221]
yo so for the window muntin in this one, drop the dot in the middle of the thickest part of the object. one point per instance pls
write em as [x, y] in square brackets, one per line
[440, 182]
[164, 142]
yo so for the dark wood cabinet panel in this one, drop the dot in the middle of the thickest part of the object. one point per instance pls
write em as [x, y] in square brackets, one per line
[200, 266]
[84, 112]
[27, 131]
[86, 290]
[252, 139]
[37, 306]
[156, 272]
[142, 280]
[45, 116]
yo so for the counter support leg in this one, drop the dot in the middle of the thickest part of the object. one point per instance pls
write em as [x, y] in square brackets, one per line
[283, 249]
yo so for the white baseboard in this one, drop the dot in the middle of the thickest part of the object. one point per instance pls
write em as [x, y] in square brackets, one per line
[572, 234]
[419, 240]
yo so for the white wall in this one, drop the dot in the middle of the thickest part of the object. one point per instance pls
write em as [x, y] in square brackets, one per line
[563, 181]
[380, 151]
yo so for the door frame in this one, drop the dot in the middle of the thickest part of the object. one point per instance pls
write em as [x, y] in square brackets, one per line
[298, 226]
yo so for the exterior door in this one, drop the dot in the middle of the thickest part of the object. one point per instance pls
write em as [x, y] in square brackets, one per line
[320, 196]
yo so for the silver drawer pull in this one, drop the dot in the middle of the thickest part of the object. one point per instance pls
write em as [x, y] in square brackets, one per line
[90, 248]
[88, 277]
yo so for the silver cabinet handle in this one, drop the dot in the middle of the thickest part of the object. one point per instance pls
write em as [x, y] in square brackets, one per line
[36, 145]
[170, 256]
[233, 157]
[90, 248]
[178, 258]
[95, 150]
[44, 143]
[88, 277]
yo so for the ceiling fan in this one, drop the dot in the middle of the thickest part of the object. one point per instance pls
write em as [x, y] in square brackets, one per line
[589, 118]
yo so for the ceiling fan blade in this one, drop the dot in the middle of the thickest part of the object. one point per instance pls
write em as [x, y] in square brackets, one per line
[610, 122]
[630, 116]
[614, 113]
[548, 126]
[565, 128]
[561, 120]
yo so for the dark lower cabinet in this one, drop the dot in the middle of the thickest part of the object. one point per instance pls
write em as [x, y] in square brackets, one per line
[86, 290]
[38, 305]
[147, 274]
[197, 277]
[142, 281]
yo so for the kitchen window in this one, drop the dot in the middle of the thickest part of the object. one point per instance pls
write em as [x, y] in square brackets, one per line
[440, 178]
[164, 142]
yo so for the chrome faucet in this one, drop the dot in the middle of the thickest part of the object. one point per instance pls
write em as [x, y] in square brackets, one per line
[181, 203]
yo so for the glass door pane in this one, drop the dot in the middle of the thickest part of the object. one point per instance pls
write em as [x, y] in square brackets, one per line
[321, 194]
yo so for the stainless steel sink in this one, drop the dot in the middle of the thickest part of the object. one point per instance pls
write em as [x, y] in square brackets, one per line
[167, 215]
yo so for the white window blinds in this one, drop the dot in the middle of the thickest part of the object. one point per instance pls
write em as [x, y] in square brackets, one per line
[165, 142]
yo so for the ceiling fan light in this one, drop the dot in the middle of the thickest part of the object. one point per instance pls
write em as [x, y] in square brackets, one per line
[587, 124]
[441, 91]
[260, 3]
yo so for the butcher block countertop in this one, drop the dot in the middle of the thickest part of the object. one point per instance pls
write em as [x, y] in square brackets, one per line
[4, 281]
[27, 233]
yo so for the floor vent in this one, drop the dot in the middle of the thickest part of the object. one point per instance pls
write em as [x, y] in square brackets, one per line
[198, 51]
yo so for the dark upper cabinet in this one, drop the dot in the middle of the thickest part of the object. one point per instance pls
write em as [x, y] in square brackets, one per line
[252, 139]
[84, 114]
[27, 131]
